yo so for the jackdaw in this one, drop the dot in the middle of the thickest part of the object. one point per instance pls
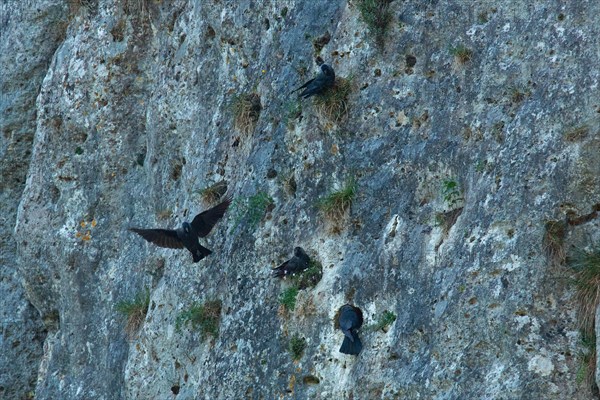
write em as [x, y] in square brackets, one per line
[322, 82]
[294, 265]
[187, 235]
[350, 320]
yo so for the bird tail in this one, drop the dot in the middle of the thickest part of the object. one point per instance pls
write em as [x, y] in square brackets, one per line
[277, 272]
[350, 347]
[200, 253]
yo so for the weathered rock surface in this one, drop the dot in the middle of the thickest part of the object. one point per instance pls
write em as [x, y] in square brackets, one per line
[30, 32]
[134, 118]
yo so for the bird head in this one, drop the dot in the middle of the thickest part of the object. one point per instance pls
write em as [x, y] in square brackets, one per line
[298, 251]
[327, 70]
[187, 228]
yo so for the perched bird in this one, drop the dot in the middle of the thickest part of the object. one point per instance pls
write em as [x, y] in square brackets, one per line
[350, 320]
[187, 235]
[318, 85]
[296, 264]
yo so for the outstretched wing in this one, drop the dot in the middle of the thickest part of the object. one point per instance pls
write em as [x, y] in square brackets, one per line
[161, 237]
[204, 222]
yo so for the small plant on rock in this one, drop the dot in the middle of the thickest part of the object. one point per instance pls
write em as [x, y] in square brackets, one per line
[246, 111]
[296, 347]
[251, 209]
[332, 104]
[384, 321]
[288, 298]
[135, 310]
[451, 193]
[586, 265]
[461, 53]
[587, 361]
[377, 16]
[554, 242]
[310, 276]
[335, 205]
[577, 133]
[214, 192]
[205, 317]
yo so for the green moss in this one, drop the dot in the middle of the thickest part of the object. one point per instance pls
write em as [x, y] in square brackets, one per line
[135, 310]
[204, 317]
[335, 204]
[288, 298]
[78, 151]
[296, 347]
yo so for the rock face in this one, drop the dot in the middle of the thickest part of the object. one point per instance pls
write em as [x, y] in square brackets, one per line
[468, 128]
[29, 36]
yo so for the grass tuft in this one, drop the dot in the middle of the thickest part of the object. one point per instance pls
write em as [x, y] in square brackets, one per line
[135, 310]
[333, 103]
[586, 265]
[310, 277]
[335, 205]
[462, 54]
[246, 111]
[384, 321]
[451, 193]
[251, 209]
[554, 242]
[214, 192]
[288, 298]
[205, 317]
[577, 133]
[587, 361]
[377, 16]
[296, 347]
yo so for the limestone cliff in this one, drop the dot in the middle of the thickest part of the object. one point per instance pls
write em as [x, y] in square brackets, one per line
[469, 126]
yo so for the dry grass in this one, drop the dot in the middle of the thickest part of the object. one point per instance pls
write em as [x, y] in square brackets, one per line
[586, 265]
[554, 242]
[204, 317]
[577, 133]
[213, 193]
[332, 105]
[335, 205]
[462, 54]
[246, 111]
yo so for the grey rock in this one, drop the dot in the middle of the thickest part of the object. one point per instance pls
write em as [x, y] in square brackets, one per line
[132, 119]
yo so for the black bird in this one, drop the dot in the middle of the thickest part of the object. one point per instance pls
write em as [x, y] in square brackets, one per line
[187, 235]
[350, 320]
[294, 265]
[322, 82]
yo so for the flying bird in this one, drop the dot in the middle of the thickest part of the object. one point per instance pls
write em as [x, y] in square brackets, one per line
[322, 82]
[298, 263]
[350, 320]
[187, 235]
